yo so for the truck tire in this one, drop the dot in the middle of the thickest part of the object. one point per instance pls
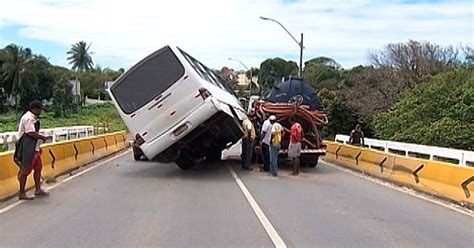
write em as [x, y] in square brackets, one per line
[185, 161]
[309, 160]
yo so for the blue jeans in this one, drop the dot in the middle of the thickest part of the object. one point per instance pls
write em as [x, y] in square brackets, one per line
[274, 149]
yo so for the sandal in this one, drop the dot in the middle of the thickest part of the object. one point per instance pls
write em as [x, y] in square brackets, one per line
[25, 197]
[41, 193]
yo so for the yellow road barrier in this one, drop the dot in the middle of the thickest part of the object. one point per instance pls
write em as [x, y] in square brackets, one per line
[59, 158]
[444, 180]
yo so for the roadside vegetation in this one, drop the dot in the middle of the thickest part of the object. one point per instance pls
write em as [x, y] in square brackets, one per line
[96, 115]
[416, 92]
[25, 76]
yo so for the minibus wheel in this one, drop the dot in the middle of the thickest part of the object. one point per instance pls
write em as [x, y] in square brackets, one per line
[214, 155]
[137, 153]
[185, 161]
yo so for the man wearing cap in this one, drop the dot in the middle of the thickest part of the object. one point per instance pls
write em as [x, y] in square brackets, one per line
[28, 152]
[247, 142]
[265, 139]
[277, 132]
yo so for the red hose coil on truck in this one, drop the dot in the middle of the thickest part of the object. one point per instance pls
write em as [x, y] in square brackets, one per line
[287, 110]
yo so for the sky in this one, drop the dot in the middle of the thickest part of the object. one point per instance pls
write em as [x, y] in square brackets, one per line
[124, 32]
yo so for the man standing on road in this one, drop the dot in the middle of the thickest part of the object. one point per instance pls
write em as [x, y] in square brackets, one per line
[247, 143]
[28, 152]
[277, 131]
[294, 149]
[357, 136]
[265, 140]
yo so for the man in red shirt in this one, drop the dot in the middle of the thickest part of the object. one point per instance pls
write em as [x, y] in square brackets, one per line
[294, 149]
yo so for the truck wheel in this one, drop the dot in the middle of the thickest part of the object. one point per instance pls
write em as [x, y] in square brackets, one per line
[185, 161]
[309, 160]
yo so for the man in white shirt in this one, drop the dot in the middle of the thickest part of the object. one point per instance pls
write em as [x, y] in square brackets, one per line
[28, 152]
[265, 139]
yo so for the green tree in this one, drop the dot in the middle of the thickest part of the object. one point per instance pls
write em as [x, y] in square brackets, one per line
[63, 102]
[3, 101]
[438, 112]
[272, 70]
[322, 72]
[92, 81]
[80, 58]
[323, 61]
[340, 115]
[17, 71]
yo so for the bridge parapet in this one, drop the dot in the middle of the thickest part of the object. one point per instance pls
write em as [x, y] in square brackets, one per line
[54, 135]
[463, 157]
[445, 180]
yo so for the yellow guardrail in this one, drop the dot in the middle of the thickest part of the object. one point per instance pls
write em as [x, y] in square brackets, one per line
[59, 158]
[444, 180]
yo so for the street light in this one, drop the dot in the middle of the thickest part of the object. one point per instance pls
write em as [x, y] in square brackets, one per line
[250, 93]
[300, 43]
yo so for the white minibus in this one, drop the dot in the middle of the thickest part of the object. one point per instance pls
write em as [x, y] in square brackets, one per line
[177, 108]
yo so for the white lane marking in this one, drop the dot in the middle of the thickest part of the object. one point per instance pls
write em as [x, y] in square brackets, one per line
[15, 204]
[408, 191]
[48, 188]
[276, 239]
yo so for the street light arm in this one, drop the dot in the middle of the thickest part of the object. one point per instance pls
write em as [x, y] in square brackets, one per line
[240, 63]
[281, 25]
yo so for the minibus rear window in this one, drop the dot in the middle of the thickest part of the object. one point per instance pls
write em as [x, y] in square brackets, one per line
[147, 80]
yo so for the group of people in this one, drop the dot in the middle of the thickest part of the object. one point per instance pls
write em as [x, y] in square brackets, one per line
[270, 143]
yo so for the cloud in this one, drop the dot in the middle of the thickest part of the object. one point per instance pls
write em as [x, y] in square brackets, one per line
[212, 31]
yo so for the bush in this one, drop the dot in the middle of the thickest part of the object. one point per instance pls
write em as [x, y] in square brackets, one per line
[341, 117]
[438, 112]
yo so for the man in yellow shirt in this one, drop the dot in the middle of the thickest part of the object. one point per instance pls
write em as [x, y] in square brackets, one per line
[247, 143]
[277, 132]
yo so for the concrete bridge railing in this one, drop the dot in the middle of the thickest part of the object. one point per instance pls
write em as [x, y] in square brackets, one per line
[54, 135]
[463, 157]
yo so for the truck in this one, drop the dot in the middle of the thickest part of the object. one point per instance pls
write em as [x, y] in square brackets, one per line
[293, 98]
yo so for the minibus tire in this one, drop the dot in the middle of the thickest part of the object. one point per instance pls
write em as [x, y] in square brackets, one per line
[185, 161]
[213, 156]
[137, 153]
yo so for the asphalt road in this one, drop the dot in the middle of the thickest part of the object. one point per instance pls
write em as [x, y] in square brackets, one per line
[124, 203]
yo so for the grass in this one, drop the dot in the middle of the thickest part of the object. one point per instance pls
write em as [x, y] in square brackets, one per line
[91, 115]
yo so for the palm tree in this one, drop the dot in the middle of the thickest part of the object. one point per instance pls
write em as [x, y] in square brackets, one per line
[80, 58]
[17, 69]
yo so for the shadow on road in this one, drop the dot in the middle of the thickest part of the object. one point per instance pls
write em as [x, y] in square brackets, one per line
[285, 167]
[203, 171]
